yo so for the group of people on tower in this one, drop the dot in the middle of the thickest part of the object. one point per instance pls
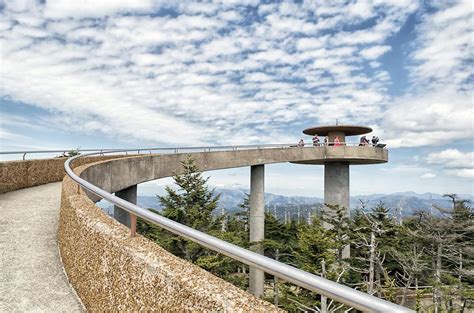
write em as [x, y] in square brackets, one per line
[337, 142]
[365, 142]
[317, 142]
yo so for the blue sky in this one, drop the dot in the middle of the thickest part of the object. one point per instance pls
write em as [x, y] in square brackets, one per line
[160, 73]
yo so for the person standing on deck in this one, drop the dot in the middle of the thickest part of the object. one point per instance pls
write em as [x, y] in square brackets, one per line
[375, 140]
[364, 141]
[316, 141]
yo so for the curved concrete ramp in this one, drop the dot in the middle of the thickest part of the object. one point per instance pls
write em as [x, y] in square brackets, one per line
[31, 272]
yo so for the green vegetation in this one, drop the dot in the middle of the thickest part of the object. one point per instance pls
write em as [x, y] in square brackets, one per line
[425, 261]
[70, 153]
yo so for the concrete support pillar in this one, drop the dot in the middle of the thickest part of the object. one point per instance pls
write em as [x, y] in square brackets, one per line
[336, 189]
[257, 223]
[129, 194]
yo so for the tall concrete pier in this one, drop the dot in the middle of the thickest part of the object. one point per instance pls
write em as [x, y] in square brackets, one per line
[257, 224]
[336, 184]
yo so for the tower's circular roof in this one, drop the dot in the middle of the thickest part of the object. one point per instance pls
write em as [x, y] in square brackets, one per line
[349, 130]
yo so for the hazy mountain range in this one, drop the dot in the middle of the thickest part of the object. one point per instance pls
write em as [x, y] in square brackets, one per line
[408, 201]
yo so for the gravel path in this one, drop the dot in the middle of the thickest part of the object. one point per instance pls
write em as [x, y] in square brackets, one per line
[31, 272]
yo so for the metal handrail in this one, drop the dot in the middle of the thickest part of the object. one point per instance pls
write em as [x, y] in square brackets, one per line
[328, 288]
[177, 149]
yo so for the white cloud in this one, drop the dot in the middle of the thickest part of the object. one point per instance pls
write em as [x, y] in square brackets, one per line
[429, 119]
[456, 162]
[374, 52]
[428, 176]
[452, 158]
[20, 5]
[203, 76]
[90, 8]
[466, 173]
[439, 108]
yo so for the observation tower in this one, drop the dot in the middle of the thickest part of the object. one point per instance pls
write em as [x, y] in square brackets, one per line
[337, 158]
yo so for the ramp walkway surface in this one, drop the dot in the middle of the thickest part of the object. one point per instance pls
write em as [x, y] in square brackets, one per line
[31, 272]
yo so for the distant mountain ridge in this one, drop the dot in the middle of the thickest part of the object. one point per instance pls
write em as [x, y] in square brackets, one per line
[409, 202]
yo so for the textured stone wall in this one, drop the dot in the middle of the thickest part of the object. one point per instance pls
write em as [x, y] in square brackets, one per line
[16, 175]
[113, 272]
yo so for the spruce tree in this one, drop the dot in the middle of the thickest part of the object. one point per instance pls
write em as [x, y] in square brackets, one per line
[237, 233]
[340, 226]
[191, 203]
[460, 254]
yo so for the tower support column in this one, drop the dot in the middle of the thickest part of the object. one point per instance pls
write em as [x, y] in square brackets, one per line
[257, 223]
[129, 194]
[336, 184]
[336, 190]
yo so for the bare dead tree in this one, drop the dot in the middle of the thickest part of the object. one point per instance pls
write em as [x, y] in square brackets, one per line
[412, 263]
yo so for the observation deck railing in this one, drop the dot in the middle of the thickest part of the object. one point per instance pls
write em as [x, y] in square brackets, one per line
[325, 287]
[183, 149]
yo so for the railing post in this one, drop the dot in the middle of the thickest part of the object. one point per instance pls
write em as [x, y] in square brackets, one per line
[133, 225]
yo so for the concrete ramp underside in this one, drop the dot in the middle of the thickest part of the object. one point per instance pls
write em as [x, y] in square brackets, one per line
[31, 272]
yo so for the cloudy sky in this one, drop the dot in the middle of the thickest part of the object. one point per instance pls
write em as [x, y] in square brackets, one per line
[105, 73]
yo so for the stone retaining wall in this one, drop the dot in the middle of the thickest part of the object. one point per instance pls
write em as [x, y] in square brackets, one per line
[16, 175]
[112, 271]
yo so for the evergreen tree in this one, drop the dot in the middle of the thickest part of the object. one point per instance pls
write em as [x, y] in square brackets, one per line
[315, 252]
[279, 244]
[339, 223]
[191, 203]
[460, 255]
[237, 233]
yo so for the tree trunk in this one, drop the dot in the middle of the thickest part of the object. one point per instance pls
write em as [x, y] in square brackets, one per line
[378, 282]
[407, 286]
[418, 300]
[324, 300]
[436, 293]
[463, 301]
[449, 305]
[370, 287]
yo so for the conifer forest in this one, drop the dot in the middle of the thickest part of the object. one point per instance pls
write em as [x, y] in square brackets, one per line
[424, 261]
